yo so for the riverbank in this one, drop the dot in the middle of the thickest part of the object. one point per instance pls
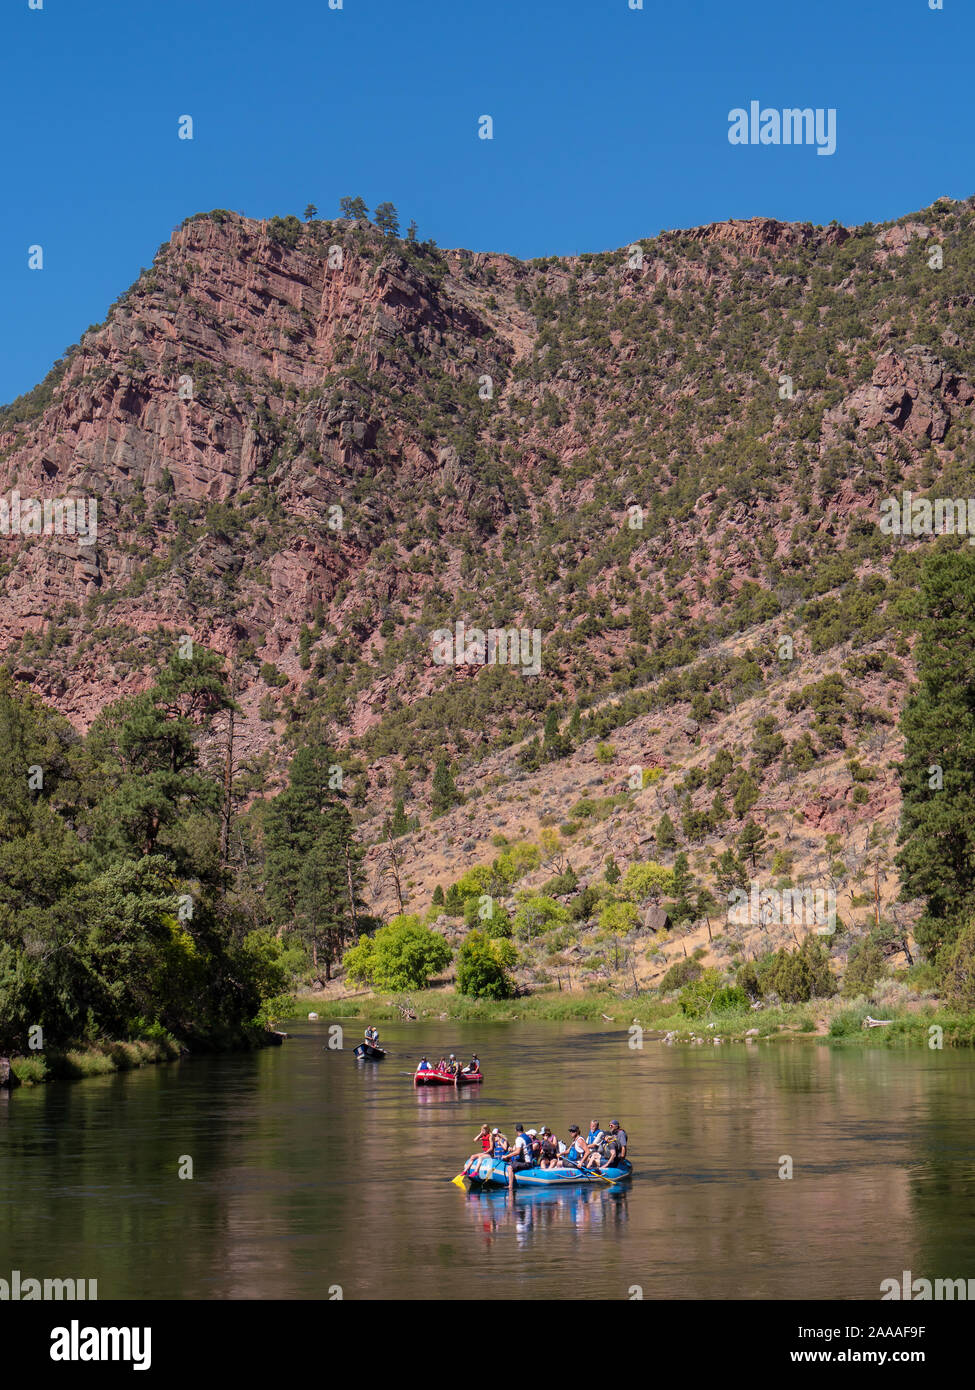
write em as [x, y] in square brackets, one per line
[101, 1059]
[97, 1060]
[915, 1024]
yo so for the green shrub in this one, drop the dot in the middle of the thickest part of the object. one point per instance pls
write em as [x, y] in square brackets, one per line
[709, 994]
[682, 972]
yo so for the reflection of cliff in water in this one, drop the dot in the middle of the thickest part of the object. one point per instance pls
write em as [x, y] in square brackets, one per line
[530, 1213]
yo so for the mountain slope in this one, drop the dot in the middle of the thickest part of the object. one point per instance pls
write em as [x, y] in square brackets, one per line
[667, 458]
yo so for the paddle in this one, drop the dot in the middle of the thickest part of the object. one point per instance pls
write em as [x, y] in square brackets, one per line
[593, 1174]
[459, 1180]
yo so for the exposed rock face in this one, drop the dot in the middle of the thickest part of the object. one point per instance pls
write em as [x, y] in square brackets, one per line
[311, 446]
[913, 393]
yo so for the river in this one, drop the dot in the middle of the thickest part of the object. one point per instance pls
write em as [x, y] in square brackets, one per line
[313, 1173]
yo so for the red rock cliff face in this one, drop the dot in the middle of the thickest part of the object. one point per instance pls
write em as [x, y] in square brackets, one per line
[178, 400]
[310, 446]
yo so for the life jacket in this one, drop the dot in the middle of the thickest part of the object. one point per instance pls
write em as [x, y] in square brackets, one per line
[498, 1149]
[485, 1142]
[595, 1136]
[548, 1148]
[523, 1144]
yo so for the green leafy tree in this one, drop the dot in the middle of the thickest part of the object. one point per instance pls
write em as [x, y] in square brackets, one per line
[616, 922]
[311, 212]
[481, 969]
[538, 914]
[646, 882]
[403, 955]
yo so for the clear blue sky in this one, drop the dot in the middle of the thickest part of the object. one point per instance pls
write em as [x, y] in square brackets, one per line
[610, 124]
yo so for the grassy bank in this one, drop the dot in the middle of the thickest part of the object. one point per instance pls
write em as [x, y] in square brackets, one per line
[96, 1060]
[833, 1020]
[100, 1059]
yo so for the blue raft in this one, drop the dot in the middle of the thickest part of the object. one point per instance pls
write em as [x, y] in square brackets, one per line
[487, 1172]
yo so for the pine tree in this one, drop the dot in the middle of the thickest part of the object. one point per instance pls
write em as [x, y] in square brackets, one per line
[387, 219]
[152, 740]
[313, 863]
[354, 209]
[399, 825]
[444, 792]
[751, 842]
[937, 775]
[682, 886]
[311, 212]
[554, 744]
[666, 834]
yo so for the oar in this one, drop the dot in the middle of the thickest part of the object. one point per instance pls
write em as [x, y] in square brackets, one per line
[459, 1180]
[593, 1174]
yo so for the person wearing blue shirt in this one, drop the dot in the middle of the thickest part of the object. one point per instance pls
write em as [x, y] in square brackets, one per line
[594, 1139]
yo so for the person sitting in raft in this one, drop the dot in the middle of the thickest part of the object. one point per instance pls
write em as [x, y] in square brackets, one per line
[620, 1138]
[521, 1155]
[484, 1139]
[474, 1065]
[548, 1148]
[372, 1036]
[499, 1144]
[536, 1144]
[594, 1140]
[442, 1064]
[609, 1153]
[575, 1150]
[424, 1065]
[453, 1066]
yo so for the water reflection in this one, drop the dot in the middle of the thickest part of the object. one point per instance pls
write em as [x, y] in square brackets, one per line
[540, 1211]
[311, 1171]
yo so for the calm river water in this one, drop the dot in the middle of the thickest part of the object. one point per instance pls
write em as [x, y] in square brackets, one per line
[311, 1171]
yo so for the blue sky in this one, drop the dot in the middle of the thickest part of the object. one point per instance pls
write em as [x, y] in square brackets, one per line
[610, 124]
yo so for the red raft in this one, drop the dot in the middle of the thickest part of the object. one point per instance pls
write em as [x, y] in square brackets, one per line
[445, 1078]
